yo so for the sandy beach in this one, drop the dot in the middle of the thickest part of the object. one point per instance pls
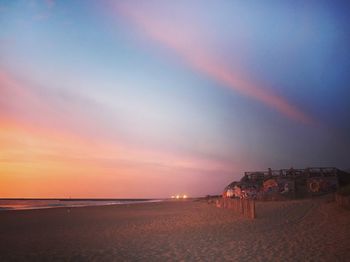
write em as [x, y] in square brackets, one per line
[300, 230]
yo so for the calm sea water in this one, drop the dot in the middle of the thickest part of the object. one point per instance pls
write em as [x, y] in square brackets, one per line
[23, 204]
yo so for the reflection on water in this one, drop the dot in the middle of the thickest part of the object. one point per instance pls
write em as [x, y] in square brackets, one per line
[23, 204]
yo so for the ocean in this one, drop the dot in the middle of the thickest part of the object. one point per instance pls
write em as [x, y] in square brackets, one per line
[27, 204]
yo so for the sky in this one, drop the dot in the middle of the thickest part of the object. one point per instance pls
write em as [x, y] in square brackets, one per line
[147, 99]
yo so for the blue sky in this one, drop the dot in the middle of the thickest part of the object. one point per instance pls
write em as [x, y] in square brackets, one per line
[186, 95]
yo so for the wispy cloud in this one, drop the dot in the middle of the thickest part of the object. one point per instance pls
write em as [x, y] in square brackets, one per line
[186, 44]
[37, 138]
[32, 123]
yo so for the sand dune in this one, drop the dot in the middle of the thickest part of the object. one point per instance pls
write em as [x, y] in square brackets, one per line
[303, 230]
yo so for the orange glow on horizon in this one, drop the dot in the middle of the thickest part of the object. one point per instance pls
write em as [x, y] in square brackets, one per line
[32, 161]
[40, 160]
[46, 154]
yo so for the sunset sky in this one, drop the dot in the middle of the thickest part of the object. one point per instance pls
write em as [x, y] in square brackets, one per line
[151, 98]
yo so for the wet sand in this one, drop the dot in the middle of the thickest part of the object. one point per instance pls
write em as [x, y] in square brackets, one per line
[302, 230]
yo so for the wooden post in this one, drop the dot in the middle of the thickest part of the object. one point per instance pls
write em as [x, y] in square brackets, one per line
[244, 201]
[248, 208]
[245, 207]
[252, 210]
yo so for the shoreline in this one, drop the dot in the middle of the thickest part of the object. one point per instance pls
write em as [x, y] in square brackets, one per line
[32, 206]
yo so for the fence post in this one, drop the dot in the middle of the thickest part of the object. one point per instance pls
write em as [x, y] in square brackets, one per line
[246, 209]
[252, 210]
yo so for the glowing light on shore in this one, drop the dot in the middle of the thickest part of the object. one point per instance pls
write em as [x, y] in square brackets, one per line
[179, 197]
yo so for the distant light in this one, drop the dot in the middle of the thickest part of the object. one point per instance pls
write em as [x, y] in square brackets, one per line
[172, 196]
[184, 196]
[177, 196]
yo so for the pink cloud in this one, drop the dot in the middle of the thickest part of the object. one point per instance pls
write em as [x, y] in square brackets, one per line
[35, 115]
[38, 146]
[186, 44]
